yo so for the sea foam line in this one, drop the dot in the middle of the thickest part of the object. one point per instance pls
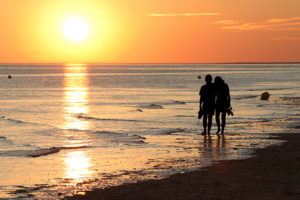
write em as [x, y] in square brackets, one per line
[80, 116]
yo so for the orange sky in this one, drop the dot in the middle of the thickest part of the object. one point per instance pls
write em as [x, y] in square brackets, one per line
[156, 31]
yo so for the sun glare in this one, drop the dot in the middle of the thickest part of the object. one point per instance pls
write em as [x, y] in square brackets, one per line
[75, 29]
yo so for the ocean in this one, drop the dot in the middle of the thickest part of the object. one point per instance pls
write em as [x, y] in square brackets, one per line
[70, 128]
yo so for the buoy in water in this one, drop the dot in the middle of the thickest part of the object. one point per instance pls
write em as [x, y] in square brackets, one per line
[9, 77]
[265, 96]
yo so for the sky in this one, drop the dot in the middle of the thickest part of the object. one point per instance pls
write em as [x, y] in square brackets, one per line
[156, 31]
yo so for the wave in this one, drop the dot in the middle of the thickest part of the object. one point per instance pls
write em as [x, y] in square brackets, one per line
[16, 121]
[44, 152]
[246, 97]
[152, 106]
[266, 89]
[52, 150]
[178, 102]
[291, 100]
[175, 130]
[185, 116]
[24, 190]
[81, 116]
[13, 120]
[159, 105]
[114, 137]
[122, 137]
[137, 110]
[36, 153]
[5, 141]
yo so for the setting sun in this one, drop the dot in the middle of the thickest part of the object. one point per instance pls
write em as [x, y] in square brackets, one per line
[75, 29]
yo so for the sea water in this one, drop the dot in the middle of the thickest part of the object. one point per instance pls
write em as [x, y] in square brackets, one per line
[65, 129]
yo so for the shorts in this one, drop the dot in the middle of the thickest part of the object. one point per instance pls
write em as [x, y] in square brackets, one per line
[222, 107]
[209, 109]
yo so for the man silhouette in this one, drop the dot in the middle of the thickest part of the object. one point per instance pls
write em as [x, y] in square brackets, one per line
[222, 102]
[207, 103]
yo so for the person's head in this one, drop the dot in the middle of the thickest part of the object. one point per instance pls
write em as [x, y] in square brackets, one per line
[208, 78]
[218, 80]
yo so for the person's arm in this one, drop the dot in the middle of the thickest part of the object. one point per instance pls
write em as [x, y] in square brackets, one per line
[201, 99]
[228, 96]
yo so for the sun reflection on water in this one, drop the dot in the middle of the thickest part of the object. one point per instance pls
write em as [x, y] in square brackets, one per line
[77, 166]
[75, 96]
[77, 162]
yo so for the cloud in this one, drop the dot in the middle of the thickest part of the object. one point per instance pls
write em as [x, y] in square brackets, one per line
[286, 38]
[292, 23]
[228, 22]
[181, 14]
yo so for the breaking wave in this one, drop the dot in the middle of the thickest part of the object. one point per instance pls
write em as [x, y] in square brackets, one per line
[5, 141]
[122, 137]
[261, 89]
[175, 130]
[159, 105]
[81, 116]
[20, 122]
[36, 153]
[175, 102]
[13, 120]
[247, 97]
[153, 106]
[185, 116]
[290, 100]
[113, 137]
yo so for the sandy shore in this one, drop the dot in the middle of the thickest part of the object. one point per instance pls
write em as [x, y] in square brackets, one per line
[274, 173]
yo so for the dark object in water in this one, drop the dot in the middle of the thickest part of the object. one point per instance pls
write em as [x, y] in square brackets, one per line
[52, 150]
[199, 77]
[153, 106]
[44, 152]
[265, 96]
[9, 77]
[229, 111]
[200, 114]
[179, 102]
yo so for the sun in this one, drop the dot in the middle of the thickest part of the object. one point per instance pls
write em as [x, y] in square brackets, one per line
[75, 29]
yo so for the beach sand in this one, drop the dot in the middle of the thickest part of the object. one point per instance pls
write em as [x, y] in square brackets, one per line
[272, 173]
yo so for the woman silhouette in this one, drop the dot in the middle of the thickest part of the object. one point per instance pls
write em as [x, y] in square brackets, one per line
[222, 102]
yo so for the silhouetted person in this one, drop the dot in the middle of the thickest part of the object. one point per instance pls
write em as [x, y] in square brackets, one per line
[222, 102]
[207, 103]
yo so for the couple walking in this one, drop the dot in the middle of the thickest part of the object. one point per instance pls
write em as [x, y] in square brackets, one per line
[214, 97]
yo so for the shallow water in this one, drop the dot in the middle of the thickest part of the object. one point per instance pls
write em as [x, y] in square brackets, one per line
[69, 128]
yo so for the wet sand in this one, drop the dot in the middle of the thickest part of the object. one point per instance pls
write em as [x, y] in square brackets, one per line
[273, 173]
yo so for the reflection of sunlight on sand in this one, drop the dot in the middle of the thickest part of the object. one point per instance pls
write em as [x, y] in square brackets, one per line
[76, 100]
[77, 166]
[75, 96]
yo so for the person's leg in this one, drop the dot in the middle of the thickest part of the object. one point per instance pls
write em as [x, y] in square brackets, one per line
[223, 121]
[204, 123]
[218, 121]
[209, 123]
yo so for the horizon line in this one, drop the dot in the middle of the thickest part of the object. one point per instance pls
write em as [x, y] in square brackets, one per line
[141, 63]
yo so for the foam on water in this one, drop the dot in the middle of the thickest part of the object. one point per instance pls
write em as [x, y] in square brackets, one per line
[81, 116]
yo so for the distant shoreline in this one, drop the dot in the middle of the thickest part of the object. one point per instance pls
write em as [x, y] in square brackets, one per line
[273, 173]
